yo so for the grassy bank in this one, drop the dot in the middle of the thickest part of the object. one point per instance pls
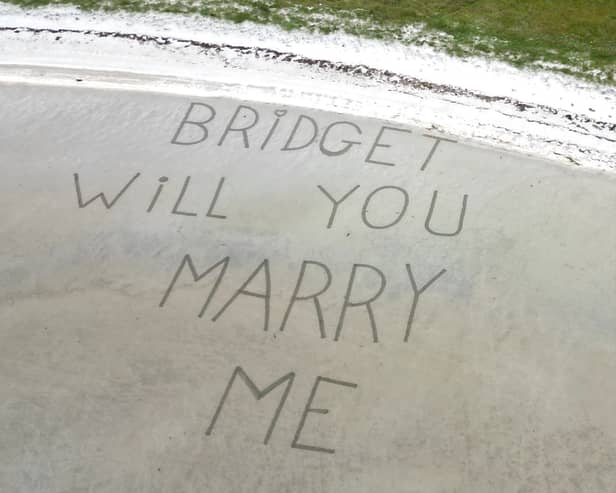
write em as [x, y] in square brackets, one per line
[571, 36]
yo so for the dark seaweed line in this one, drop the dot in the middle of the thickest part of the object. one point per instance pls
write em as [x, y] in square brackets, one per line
[358, 70]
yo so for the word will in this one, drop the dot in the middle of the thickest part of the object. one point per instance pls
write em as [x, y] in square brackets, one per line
[178, 207]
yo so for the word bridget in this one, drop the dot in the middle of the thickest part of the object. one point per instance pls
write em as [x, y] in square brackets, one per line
[244, 124]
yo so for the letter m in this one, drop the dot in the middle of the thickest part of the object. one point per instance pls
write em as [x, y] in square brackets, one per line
[258, 394]
[187, 261]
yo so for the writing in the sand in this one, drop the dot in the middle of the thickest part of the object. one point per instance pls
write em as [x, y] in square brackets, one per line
[316, 283]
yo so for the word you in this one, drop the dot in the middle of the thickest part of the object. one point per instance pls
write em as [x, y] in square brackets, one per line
[401, 198]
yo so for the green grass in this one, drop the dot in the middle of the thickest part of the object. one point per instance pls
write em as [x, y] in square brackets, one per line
[571, 36]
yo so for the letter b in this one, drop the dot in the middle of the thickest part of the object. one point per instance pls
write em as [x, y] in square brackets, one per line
[198, 121]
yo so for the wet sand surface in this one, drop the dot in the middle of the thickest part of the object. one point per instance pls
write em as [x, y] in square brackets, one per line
[273, 299]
